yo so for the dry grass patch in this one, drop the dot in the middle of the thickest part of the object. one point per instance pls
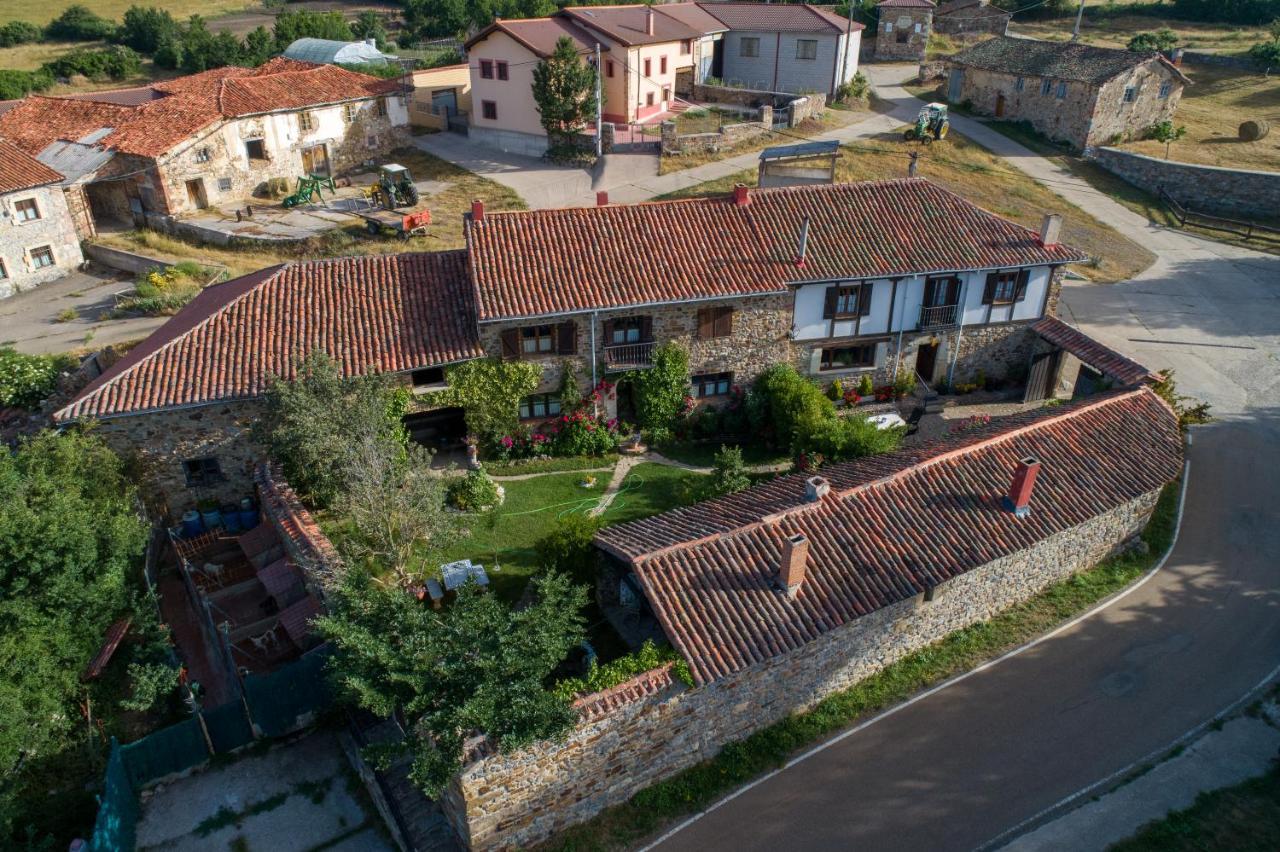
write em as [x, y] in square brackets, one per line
[831, 119]
[43, 13]
[971, 171]
[1115, 30]
[1212, 108]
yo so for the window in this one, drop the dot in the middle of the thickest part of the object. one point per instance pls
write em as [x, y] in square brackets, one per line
[486, 69]
[256, 149]
[1005, 288]
[537, 339]
[807, 48]
[1062, 90]
[662, 65]
[749, 47]
[350, 111]
[628, 330]
[648, 68]
[224, 184]
[489, 110]
[917, 27]
[847, 302]
[903, 36]
[1165, 89]
[202, 155]
[648, 99]
[849, 357]
[380, 107]
[205, 471]
[539, 405]
[712, 384]
[1046, 86]
[686, 47]
[888, 26]
[42, 257]
[306, 122]
[502, 71]
[1019, 84]
[715, 322]
[26, 210]
[608, 68]
[4, 273]
[428, 377]
[1129, 93]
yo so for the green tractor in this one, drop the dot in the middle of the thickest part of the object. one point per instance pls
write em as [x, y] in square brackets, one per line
[394, 188]
[930, 124]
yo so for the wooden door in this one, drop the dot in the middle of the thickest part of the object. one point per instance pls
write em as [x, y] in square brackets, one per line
[1000, 106]
[1041, 376]
[926, 360]
[315, 160]
[195, 194]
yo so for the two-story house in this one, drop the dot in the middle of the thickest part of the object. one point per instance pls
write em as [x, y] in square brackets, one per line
[785, 47]
[38, 240]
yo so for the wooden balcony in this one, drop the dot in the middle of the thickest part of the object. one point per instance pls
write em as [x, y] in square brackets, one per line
[938, 316]
[629, 356]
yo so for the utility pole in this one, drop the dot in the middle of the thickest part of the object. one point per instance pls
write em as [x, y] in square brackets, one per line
[599, 129]
[848, 39]
[1075, 34]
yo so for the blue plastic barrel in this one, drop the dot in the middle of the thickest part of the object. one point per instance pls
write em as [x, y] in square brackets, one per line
[191, 526]
[230, 518]
[248, 514]
[212, 519]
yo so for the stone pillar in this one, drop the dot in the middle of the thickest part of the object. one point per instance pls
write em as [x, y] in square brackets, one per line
[766, 115]
[669, 144]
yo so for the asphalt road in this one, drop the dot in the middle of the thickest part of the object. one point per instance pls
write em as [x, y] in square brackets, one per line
[960, 768]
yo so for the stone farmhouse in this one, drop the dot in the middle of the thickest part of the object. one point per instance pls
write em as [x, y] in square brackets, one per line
[649, 53]
[1070, 92]
[841, 281]
[38, 240]
[780, 595]
[212, 138]
[902, 33]
[970, 18]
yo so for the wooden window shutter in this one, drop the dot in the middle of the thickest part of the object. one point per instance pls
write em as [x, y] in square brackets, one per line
[567, 338]
[510, 338]
[646, 329]
[865, 292]
[724, 322]
[706, 323]
[989, 292]
[608, 332]
[1021, 292]
[829, 307]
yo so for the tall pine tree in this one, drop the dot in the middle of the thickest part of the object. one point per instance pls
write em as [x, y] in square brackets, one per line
[564, 88]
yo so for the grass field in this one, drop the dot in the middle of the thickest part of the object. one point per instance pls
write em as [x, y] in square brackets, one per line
[43, 13]
[1212, 108]
[970, 170]
[1243, 818]
[446, 209]
[1105, 29]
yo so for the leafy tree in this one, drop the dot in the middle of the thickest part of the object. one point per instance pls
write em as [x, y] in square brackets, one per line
[427, 19]
[568, 547]
[1266, 54]
[25, 380]
[729, 474]
[1168, 134]
[19, 32]
[489, 391]
[291, 26]
[144, 28]
[1162, 39]
[259, 46]
[660, 391]
[781, 399]
[477, 665]
[78, 23]
[309, 423]
[368, 24]
[1228, 11]
[18, 84]
[564, 89]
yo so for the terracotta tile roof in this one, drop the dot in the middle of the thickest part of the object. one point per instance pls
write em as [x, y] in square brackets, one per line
[390, 313]
[531, 263]
[692, 15]
[147, 122]
[297, 617]
[19, 170]
[905, 4]
[1097, 355]
[778, 17]
[628, 25]
[599, 704]
[1060, 60]
[539, 35]
[890, 528]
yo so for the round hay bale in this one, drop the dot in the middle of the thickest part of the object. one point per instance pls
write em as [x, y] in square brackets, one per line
[1253, 130]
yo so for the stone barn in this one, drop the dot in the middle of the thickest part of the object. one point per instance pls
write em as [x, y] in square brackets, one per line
[903, 29]
[1070, 92]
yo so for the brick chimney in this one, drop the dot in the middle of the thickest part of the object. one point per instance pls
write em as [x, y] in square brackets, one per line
[791, 568]
[477, 210]
[740, 196]
[602, 199]
[648, 20]
[815, 488]
[1050, 230]
[1024, 482]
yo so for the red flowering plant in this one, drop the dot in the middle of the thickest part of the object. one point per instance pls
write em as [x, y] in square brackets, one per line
[581, 433]
[851, 398]
[977, 421]
[884, 393]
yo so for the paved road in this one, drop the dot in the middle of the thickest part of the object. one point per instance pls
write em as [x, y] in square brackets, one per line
[32, 321]
[960, 768]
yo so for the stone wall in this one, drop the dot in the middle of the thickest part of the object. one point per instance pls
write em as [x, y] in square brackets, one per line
[55, 228]
[512, 800]
[1229, 192]
[727, 136]
[162, 440]
[916, 23]
[978, 19]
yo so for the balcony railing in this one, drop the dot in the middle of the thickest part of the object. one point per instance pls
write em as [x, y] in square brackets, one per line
[938, 316]
[629, 356]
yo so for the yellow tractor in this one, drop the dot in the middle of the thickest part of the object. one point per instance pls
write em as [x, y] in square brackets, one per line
[931, 124]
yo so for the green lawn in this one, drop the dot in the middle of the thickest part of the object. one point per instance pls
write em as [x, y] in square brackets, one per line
[1243, 818]
[650, 489]
[704, 454]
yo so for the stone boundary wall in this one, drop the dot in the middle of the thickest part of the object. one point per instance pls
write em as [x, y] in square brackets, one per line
[123, 261]
[504, 801]
[727, 136]
[801, 105]
[1221, 61]
[1209, 189]
[307, 545]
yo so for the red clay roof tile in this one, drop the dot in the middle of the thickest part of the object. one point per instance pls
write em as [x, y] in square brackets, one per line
[1120, 367]
[538, 262]
[893, 526]
[19, 170]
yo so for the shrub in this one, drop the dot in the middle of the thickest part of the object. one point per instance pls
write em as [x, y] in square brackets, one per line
[842, 438]
[474, 491]
[78, 23]
[19, 84]
[19, 32]
[661, 391]
[779, 400]
[1151, 42]
[904, 384]
[856, 89]
[583, 434]
[25, 380]
[1228, 11]
[1189, 411]
[865, 387]
[116, 63]
[835, 391]
[163, 292]
[729, 475]
[1266, 54]
[647, 658]
[568, 548]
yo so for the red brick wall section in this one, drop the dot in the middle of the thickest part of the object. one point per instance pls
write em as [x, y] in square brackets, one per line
[306, 544]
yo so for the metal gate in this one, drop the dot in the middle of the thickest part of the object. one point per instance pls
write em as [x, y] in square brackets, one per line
[632, 137]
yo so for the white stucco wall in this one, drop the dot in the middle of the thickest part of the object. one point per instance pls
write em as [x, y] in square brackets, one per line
[513, 97]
